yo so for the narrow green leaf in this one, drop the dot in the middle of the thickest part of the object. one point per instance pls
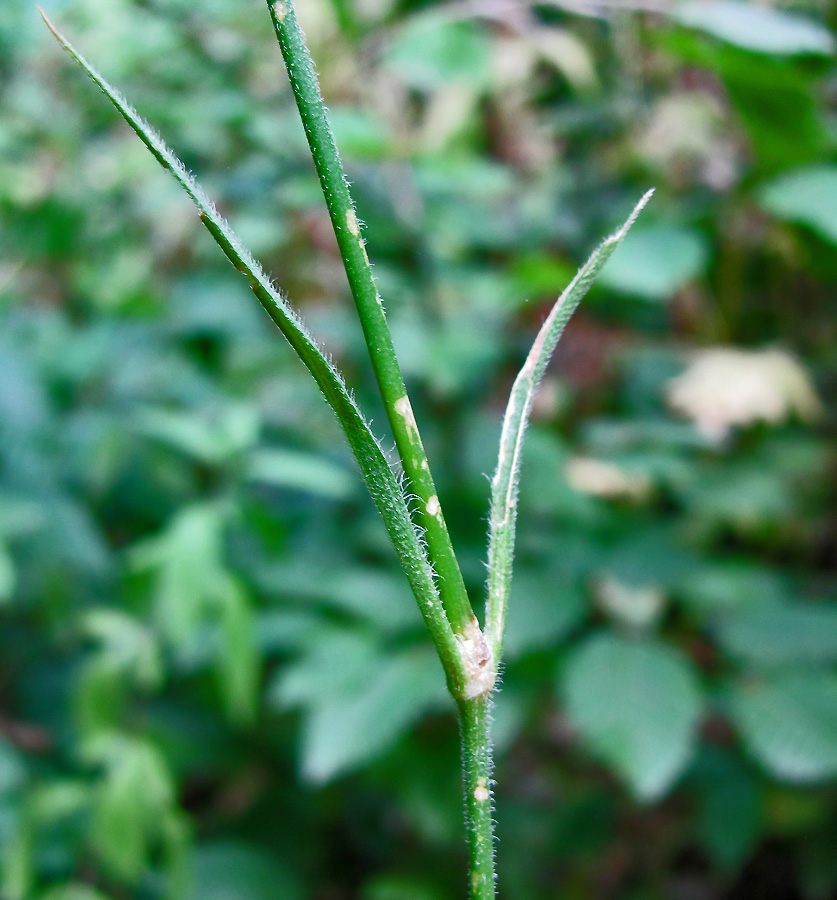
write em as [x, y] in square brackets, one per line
[239, 663]
[503, 518]
[378, 476]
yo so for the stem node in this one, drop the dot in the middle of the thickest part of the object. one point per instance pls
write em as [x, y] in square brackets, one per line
[477, 660]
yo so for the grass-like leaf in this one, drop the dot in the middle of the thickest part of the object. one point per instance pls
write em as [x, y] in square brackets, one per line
[377, 474]
[503, 517]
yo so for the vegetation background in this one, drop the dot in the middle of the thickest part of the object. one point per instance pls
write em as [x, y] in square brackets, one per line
[213, 680]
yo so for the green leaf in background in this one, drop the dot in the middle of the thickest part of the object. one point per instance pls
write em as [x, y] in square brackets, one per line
[341, 733]
[740, 496]
[73, 891]
[752, 26]
[377, 596]
[307, 472]
[188, 562]
[434, 51]
[359, 133]
[789, 723]
[16, 862]
[730, 587]
[210, 442]
[776, 100]
[8, 576]
[778, 635]
[12, 771]
[233, 870]
[542, 611]
[730, 806]
[637, 704]
[336, 662]
[134, 801]
[100, 695]
[357, 699]
[18, 516]
[59, 800]
[808, 196]
[395, 887]
[239, 662]
[650, 557]
[195, 589]
[126, 645]
[656, 261]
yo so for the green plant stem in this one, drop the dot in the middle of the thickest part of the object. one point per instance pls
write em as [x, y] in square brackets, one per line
[477, 765]
[370, 310]
[379, 478]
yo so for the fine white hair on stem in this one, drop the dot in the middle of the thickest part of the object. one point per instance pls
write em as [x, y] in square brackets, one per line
[378, 476]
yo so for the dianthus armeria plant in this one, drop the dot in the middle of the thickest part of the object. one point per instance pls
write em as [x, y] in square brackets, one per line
[410, 507]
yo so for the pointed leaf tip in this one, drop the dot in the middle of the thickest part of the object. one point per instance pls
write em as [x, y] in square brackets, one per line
[381, 482]
[49, 25]
[634, 215]
[503, 516]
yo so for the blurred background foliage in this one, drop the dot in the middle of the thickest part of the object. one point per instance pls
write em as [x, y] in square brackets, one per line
[213, 680]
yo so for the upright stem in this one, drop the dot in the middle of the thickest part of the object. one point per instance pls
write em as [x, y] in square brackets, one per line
[370, 310]
[480, 667]
[477, 765]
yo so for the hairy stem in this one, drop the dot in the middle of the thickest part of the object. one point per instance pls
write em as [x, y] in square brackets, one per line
[380, 480]
[477, 764]
[370, 309]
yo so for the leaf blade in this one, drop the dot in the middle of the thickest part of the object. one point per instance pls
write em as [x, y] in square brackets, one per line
[759, 29]
[788, 723]
[380, 480]
[636, 703]
[503, 516]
